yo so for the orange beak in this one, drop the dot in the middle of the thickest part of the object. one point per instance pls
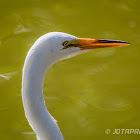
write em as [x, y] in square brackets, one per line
[84, 43]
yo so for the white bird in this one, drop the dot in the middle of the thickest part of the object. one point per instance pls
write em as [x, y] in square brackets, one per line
[47, 50]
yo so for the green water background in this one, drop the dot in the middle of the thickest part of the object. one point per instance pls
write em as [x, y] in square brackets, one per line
[86, 94]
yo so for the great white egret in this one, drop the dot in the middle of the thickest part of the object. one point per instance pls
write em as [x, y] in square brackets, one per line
[47, 50]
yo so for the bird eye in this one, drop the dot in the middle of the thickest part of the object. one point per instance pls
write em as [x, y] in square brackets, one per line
[65, 43]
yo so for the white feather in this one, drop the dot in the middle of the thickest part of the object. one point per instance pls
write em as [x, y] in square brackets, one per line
[47, 50]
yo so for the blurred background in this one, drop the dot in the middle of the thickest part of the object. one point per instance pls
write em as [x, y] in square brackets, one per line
[86, 94]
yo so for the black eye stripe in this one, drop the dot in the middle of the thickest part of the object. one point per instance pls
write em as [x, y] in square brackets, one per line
[67, 44]
[70, 45]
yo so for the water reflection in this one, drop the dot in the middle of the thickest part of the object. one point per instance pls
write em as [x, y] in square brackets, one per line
[7, 76]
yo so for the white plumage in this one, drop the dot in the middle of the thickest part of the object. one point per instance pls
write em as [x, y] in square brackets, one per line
[47, 50]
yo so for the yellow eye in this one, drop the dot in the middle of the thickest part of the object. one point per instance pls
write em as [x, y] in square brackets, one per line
[65, 43]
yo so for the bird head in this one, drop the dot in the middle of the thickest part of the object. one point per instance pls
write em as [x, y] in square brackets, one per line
[62, 46]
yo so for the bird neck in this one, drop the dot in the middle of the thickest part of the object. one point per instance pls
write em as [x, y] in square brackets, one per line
[36, 112]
